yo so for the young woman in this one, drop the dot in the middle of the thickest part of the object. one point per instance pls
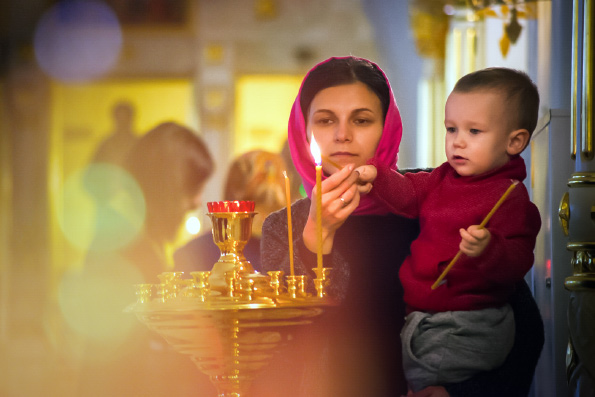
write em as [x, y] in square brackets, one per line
[347, 105]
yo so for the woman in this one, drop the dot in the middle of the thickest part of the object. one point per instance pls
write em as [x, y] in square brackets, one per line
[170, 165]
[348, 106]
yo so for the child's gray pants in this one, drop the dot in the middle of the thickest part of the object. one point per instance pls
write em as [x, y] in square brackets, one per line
[450, 347]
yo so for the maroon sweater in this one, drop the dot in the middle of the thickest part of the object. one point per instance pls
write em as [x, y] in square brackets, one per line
[444, 202]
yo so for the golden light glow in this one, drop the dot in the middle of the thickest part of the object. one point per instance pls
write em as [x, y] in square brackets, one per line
[261, 111]
[92, 301]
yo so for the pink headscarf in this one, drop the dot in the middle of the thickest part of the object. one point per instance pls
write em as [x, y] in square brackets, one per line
[386, 152]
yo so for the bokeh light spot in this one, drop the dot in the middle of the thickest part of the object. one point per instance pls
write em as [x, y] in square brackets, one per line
[78, 40]
[101, 208]
[193, 225]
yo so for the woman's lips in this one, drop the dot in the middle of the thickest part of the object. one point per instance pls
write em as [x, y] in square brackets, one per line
[342, 155]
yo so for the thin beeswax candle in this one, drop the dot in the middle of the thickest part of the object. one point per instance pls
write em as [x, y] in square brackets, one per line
[289, 225]
[315, 150]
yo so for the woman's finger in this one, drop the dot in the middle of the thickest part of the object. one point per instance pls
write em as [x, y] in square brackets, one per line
[337, 184]
[334, 180]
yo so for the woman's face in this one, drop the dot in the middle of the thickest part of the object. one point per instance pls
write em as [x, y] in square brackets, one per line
[347, 124]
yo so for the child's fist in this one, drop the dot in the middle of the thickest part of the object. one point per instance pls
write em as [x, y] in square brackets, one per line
[474, 240]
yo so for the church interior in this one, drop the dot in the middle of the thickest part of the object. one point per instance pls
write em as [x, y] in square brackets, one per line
[72, 73]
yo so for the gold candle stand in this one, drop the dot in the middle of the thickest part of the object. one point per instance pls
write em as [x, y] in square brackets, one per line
[231, 320]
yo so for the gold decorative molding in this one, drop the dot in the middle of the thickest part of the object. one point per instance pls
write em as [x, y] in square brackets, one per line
[564, 213]
[511, 11]
[583, 265]
[429, 25]
[581, 178]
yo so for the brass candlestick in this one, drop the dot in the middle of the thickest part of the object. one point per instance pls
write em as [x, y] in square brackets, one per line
[322, 280]
[231, 320]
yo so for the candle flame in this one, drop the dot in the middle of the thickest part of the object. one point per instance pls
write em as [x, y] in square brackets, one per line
[315, 150]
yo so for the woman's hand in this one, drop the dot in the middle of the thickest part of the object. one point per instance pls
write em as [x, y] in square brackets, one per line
[340, 197]
[430, 391]
[474, 240]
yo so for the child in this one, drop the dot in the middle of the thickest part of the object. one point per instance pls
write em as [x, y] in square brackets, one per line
[465, 325]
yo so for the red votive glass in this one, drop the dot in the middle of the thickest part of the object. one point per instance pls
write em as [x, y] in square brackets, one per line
[230, 206]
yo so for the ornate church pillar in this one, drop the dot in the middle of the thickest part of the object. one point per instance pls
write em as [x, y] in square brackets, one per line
[577, 209]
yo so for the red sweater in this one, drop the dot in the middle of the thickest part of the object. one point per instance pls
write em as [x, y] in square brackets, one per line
[444, 202]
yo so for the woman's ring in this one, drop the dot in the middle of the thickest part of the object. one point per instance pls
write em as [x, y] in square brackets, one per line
[343, 201]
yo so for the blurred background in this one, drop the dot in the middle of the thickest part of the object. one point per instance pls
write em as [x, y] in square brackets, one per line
[75, 73]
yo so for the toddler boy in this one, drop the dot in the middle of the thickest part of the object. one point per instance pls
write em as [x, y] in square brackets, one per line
[465, 325]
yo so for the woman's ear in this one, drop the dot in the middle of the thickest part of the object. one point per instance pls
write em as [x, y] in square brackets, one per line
[517, 141]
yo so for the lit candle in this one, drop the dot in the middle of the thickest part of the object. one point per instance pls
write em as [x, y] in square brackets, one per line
[289, 227]
[315, 150]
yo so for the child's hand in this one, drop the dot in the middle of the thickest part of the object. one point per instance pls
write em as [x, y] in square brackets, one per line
[474, 240]
[367, 175]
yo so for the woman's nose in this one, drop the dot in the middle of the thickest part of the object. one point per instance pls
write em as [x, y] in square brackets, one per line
[343, 132]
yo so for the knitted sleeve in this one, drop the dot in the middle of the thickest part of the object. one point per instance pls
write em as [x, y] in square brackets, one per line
[401, 193]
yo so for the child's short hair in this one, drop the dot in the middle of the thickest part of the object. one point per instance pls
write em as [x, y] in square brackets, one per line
[520, 92]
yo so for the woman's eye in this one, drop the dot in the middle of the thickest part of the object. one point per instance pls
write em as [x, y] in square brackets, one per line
[362, 121]
[324, 121]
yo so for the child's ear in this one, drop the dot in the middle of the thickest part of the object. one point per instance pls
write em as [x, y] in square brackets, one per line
[517, 141]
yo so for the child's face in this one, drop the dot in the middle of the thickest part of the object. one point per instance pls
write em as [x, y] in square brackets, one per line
[477, 132]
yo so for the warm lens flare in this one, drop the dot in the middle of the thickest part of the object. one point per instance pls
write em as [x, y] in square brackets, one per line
[100, 208]
[92, 300]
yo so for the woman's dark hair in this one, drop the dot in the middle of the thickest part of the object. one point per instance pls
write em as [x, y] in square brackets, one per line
[340, 71]
[170, 163]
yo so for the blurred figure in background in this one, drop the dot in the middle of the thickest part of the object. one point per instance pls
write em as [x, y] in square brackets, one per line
[116, 146]
[253, 176]
[170, 165]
